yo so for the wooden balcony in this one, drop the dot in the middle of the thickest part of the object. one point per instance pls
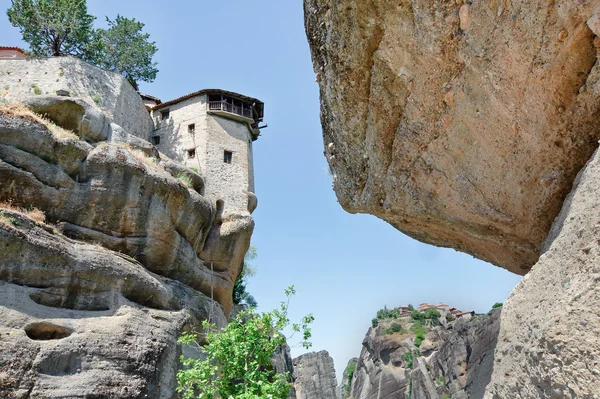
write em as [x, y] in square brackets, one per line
[228, 110]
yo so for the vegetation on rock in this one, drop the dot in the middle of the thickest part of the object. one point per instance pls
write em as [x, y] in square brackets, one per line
[237, 359]
[240, 295]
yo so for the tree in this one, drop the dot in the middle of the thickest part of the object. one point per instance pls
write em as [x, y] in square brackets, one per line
[238, 358]
[55, 27]
[127, 50]
[240, 295]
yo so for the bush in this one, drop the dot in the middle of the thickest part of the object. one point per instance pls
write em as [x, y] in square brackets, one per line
[416, 315]
[411, 307]
[419, 331]
[349, 375]
[442, 380]
[408, 358]
[394, 328]
[497, 305]
[431, 313]
[375, 322]
[450, 318]
[385, 313]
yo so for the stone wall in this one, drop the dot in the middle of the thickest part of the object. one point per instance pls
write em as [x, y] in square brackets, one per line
[212, 136]
[112, 92]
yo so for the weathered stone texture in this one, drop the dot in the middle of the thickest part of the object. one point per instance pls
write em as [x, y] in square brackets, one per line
[455, 360]
[114, 94]
[548, 344]
[462, 125]
[101, 319]
[80, 321]
[315, 376]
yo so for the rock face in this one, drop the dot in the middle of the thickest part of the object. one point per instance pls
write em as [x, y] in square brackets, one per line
[462, 125]
[548, 344]
[315, 376]
[347, 376]
[454, 360]
[108, 251]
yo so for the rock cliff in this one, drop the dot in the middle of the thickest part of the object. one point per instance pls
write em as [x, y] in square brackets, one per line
[314, 376]
[462, 125]
[469, 125]
[105, 243]
[453, 359]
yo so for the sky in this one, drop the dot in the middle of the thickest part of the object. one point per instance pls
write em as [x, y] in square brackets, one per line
[344, 267]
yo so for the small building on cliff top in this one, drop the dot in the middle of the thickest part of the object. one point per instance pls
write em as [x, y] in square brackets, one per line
[11, 53]
[212, 131]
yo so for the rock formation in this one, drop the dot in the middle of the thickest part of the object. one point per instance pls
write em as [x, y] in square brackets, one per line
[314, 376]
[465, 124]
[462, 125]
[104, 242]
[548, 344]
[347, 376]
[454, 359]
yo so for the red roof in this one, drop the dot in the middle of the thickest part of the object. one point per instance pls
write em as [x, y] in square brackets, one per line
[12, 48]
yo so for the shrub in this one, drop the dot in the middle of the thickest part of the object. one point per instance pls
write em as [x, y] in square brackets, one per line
[409, 359]
[431, 313]
[184, 178]
[394, 328]
[442, 380]
[349, 375]
[497, 305]
[96, 99]
[375, 322]
[411, 307]
[450, 318]
[36, 89]
[419, 331]
[385, 313]
[416, 315]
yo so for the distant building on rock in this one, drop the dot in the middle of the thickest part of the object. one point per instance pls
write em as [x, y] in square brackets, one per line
[212, 132]
[11, 53]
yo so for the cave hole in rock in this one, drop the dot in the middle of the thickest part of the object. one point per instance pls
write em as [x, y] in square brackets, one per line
[44, 331]
[66, 114]
[75, 299]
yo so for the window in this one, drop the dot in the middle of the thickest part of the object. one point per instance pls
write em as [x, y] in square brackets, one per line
[227, 156]
[156, 140]
[192, 128]
[191, 153]
[164, 114]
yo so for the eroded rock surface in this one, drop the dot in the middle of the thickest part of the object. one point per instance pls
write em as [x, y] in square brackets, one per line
[462, 125]
[548, 345]
[108, 251]
[315, 376]
[454, 360]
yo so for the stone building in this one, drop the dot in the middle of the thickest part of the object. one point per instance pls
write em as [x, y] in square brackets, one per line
[212, 131]
[11, 53]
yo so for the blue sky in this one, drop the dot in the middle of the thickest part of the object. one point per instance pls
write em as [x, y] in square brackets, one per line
[344, 267]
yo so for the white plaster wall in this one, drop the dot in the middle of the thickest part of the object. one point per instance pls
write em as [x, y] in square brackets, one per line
[175, 140]
[213, 136]
[116, 96]
[230, 181]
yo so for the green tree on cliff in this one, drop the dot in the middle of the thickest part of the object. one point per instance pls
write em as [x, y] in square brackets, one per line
[127, 50]
[55, 27]
[238, 358]
[240, 295]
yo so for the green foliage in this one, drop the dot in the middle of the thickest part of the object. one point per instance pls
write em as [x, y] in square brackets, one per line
[385, 313]
[127, 50]
[195, 170]
[497, 305]
[184, 178]
[431, 313]
[36, 89]
[450, 318]
[375, 322]
[238, 357]
[96, 99]
[419, 331]
[240, 295]
[349, 374]
[54, 27]
[394, 328]
[411, 307]
[409, 359]
[409, 396]
[442, 380]
[416, 315]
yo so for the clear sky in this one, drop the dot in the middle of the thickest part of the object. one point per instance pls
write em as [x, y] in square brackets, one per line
[345, 267]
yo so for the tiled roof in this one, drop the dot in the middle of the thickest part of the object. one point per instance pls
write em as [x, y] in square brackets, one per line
[12, 48]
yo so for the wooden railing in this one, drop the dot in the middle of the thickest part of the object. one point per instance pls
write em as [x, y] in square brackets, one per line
[227, 107]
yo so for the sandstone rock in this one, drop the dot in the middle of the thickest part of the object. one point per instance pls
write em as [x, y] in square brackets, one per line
[315, 376]
[456, 136]
[454, 360]
[548, 344]
[346, 383]
[124, 200]
[77, 320]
